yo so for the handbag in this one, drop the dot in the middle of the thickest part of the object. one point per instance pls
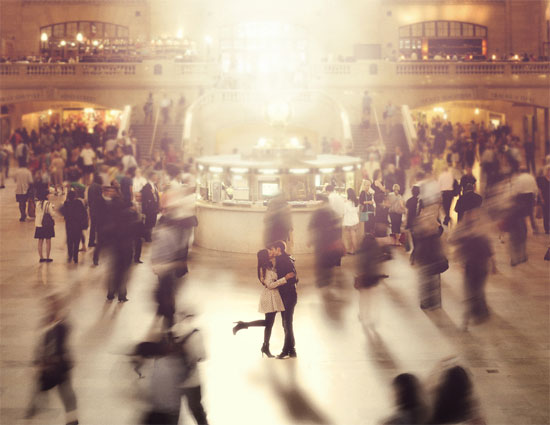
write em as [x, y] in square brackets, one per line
[31, 209]
[365, 216]
[47, 219]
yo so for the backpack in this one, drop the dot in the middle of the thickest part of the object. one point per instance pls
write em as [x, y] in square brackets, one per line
[47, 219]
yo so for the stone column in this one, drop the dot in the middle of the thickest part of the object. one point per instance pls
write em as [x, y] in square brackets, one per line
[546, 131]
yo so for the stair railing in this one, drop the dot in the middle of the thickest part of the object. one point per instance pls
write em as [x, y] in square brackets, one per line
[154, 132]
[381, 140]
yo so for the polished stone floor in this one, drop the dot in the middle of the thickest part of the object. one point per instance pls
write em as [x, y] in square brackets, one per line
[343, 371]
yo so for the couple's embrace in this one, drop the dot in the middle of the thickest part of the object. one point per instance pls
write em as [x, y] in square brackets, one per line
[277, 274]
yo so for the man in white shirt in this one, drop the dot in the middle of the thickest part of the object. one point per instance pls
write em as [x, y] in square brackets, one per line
[23, 180]
[446, 186]
[88, 159]
[524, 187]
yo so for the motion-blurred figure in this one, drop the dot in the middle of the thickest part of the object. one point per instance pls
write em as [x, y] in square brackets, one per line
[325, 235]
[469, 200]
[189, 337]
[54, 361]
[411, 408]
[76, 220]
[476, 254]
[371, 257]
[124, 221]
[278, 221]
[454, 401]
[429, 256]
[169, 262]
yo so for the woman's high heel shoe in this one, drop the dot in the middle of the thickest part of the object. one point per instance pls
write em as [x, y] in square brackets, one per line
[265, 350]
[239, 326]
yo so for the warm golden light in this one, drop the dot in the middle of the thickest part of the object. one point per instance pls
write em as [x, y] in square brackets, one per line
[79, 37]
[44, 37]
[63, 43]
[476, 111]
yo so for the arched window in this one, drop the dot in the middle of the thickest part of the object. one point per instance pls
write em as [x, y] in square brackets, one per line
[443, 38]
[72, 38]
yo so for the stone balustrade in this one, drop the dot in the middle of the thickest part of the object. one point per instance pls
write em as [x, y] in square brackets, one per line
[384, 75]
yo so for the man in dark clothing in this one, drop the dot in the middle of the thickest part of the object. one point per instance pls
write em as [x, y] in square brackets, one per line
[466, 179]
[439, 143]
[96, 204]
[543, 182]
[468, 201]
[285, 264]
[414, 206]
[150, 204]
[126, 185]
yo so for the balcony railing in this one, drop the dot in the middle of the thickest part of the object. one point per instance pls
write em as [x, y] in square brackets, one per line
[356, 74]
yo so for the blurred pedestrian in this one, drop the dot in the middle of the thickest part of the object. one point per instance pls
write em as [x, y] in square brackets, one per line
[411, 407]
[278, 221]
[270, 298]
[469, 200]
[54, 361]
[351, 221]
[396, 211]
[150, 203]
[430, 257]
[543, 183]
[325, 236]
[23, 188]
[76, 220]
[454, 401]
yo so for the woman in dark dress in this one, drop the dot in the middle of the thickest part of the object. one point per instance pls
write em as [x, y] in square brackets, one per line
[44, 231]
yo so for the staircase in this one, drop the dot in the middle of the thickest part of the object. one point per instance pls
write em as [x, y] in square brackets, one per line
[144, 134]
[363, 139]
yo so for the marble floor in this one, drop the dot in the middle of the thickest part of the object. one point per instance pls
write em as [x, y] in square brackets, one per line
[343, 371]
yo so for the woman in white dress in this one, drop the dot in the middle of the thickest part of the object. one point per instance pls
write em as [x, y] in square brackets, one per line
[270, 299]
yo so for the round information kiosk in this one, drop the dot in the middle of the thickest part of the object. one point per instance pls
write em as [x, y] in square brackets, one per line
[234, 191]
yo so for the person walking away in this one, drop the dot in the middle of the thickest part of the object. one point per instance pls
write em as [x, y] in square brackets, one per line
[414, 206]
[525, 187]
[95, 201]
[190, 340]
[88, 161]
[469, 200]
[396, 211]
[429, 257]
[170, 265]
[543, 183]
[284, 264]
[351, 221]
[55, 362]
[23, 186]
[148, 110]
[150, 203]
[446, 186]
[44, 223]
[270, 298]
[476, 253]
[76, 219]
[56, 169]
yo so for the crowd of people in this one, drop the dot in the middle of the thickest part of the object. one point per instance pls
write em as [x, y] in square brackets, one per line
[119, 201]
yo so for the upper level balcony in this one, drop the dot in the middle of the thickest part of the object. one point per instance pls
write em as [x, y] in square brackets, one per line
[529, 80]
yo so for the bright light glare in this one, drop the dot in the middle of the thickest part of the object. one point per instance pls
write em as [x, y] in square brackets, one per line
[268, 171]
[477, 111]
[49, 111]
[89, 110]
[208, 40]
[262, 141]
[215, 169]
[348, 168]
[299, 170]
[326, 170]
[79, 37]
[44, 37]
[439, 109]
[179, 34]
[95, 43]
[63, 43]
[238, 170]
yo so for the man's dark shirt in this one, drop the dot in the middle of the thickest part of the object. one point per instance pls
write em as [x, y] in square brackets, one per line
[284, 265]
